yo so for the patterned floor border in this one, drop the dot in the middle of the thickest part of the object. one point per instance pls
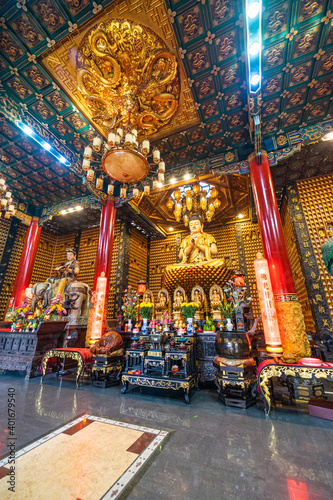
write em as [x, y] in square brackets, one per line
[123, 482]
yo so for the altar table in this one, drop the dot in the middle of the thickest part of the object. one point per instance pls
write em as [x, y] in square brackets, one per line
[271, 368]
[81, 355]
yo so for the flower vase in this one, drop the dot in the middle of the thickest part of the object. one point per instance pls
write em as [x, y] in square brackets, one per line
[144, 328]
[229, 325]
[129, 325]
[190, 327]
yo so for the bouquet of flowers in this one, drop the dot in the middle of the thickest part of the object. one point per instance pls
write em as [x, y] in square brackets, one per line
[236, 296]
[130, 300]
[189, 309]
[228, 310]
[56, 309]
[146, 309]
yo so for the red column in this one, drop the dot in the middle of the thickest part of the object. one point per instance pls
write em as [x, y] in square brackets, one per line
[289, 312]
[270, 226]
[27, 261]
[105, 243]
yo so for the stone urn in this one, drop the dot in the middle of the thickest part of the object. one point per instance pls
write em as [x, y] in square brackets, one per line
[232, 345]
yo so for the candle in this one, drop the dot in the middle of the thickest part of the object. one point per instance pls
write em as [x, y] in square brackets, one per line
[97, 142]
[110, 189]
[87, 152]
[145, 147]
[85, 164]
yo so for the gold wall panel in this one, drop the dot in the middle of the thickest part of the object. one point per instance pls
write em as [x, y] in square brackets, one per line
[252, 245]
[11, 270]
[4, 228]
[44, 258]
[87, 255]
[138, 258]
[59, 60]
[112, 290]
[296, 269]
[317, 203]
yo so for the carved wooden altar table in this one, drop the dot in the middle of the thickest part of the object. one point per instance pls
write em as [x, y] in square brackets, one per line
[81, 355]
[270, 368]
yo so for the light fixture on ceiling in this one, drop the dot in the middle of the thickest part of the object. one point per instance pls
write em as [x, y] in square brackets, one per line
[254, 45]
[71, 210]
[187, 177]
[170, 228]
[327, 137]
[199, 198]
[31, 133]
[6, 200]
[253, 9]
[172, 180]
[240, 216]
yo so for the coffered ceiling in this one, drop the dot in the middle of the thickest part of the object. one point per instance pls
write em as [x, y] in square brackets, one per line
[208, 39]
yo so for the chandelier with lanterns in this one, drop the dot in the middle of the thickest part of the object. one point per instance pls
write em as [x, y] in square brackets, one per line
[122, 158]
[130, 84]
[198, 198]
[6, 200]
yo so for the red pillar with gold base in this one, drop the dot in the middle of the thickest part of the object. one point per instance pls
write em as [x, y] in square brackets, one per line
[27, 261]
[105, 245]
[289, 312]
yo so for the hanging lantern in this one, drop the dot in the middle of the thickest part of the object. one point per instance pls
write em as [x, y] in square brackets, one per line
[8, 194]
[142, 287]
[112, 139]
[214, 192]
[178, 215]
[87, 152]
[2, 181]
[177, 194]
[97, 142]
[134, 133]
[203, 202]
[85, 164]
[185, 219]
[90, 175]
[146, 190]
[160, 177]
[117, 140]
[99, 183]
[120, 132]
[123, 191]
[196, 188]
[145, 147]
[189, 202]
[217, 203]
[136, 192]
[208, 216]
[267, 306]
[169, 204]
[110, 189]
[3, 202]
[239, 279]
[161, 167]
[156, 155]
[128, 140]
[211, 207]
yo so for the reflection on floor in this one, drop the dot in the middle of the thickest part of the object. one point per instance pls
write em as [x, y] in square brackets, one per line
[89, 458]
[214, 452]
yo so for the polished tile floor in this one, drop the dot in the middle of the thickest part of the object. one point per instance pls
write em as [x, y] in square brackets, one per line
[213, 452]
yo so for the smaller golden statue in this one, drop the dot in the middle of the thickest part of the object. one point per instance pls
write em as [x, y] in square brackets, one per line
[162, 303]
[198, 296]
[179, 297]
[215, 297]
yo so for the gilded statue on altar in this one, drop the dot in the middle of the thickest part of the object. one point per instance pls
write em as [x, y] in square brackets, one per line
[199, 264]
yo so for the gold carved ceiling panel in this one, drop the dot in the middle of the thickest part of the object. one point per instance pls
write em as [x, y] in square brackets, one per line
[61, 62]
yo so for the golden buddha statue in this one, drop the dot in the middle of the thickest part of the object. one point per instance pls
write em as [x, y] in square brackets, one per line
[162, 303]
[178, 298]
[198, 296]
[197, 246]
[199, 264]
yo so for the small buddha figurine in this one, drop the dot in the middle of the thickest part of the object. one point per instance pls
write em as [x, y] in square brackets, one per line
[178, 301]
[197, 246]
[198, 300]
[162, 304]
[198, 297]
[215, 295]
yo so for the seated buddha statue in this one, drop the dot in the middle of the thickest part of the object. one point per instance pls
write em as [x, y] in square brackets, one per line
[199, 264]
[215, 295]
[198, 246]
